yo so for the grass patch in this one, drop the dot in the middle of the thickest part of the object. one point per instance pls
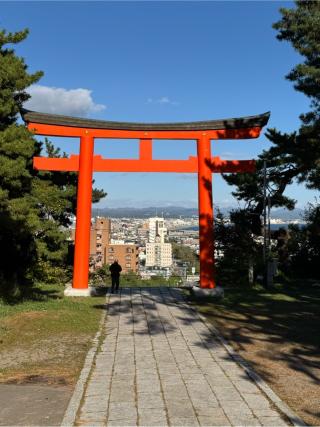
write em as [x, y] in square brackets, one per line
[277, 331]
[45, 336]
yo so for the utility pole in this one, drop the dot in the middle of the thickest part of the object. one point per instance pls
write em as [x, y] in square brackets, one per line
[264, 213]
[269, 226]
[268, 266]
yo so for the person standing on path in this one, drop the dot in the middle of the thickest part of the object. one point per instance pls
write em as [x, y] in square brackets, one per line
[115, 270]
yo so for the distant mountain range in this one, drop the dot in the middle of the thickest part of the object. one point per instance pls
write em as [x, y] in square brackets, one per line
[129, 212]
[178, 211]
[287, 215]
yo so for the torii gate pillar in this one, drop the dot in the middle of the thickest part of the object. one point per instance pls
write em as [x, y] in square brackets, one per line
[83, 225]
[206, 238]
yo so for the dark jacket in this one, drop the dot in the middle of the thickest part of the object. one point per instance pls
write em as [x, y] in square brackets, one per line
[115, 269]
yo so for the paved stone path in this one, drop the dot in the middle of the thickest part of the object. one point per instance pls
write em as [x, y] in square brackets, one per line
[159, 364]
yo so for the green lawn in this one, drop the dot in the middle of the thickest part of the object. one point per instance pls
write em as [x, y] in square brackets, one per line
[45, 337]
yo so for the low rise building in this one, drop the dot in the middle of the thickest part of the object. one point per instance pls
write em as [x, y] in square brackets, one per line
[126, 254]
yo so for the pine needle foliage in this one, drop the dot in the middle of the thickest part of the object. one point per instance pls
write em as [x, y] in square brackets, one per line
[292, 157]
[35, 207]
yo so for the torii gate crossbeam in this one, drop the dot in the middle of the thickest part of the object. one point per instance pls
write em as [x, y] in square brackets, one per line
[86, 163]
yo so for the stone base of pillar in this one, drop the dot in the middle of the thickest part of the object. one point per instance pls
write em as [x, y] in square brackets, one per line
[75, 292]
[217, 292]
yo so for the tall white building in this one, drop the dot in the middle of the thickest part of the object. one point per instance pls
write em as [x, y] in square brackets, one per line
[156, 228]
[158, 252]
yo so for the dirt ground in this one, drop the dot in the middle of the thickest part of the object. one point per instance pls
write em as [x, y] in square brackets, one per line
[33, 404]
[279, 335]
[43, 344]
[55, 361]
[45, 339]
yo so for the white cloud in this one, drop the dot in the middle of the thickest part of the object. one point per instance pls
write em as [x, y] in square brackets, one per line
[162, 100]
[73, 102]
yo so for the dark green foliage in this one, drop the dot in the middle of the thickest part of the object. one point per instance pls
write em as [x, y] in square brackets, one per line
[34, 206]
[300, 26]
[304, 245]
[185, 254]
[14, 78]
[293, 157]
[237, 250]
[101, 276]
[18, 212]
[249, 187]
[63, 184]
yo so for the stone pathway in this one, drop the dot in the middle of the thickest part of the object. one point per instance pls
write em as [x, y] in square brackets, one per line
[159, 364]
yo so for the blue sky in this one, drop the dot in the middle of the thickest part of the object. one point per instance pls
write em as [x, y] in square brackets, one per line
[160, 61]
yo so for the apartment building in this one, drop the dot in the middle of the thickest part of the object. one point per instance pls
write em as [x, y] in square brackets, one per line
[126, 254]
[102, 251]
[100, 235]
[158, 254]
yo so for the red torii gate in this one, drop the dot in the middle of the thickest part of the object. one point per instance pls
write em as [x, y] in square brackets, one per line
[86, 163]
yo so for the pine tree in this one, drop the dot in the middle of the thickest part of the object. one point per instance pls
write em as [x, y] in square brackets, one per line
[237, 250]
[301, 27]
[14, 78]
[292, 157]
[295, 156]
[34, 206]
[18, 214]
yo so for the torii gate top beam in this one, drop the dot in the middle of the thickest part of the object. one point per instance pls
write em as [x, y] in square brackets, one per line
[58, 125]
